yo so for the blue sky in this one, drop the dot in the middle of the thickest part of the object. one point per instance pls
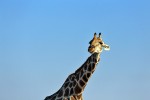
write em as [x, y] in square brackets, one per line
[43, 41]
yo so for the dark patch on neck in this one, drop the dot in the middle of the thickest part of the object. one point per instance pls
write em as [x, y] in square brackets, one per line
[72, 78]
[90, 67]
[88, 75]
[93, 66]
[81, 73]
[85, 78]
[70, 85]
[85, 68]
[74, 83]
[57, 99]
[81, 83]
[71, 91]
[60, 94]
[66, 92]
[66, 84]
[77, 76]
[78, 89]
[53, 98]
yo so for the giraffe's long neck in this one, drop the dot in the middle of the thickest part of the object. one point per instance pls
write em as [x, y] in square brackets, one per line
[84, 73]
[76, 82]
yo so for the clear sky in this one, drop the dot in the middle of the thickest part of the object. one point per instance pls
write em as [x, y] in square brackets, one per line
[43, 41]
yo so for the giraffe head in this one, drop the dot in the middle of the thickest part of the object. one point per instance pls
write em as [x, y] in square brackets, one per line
[97, 44]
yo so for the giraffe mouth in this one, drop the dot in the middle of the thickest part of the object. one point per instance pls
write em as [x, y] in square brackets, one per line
[107, 47]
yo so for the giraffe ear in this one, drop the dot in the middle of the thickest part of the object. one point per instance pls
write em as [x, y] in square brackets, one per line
[93, 38]
[100, 34]
[95, 35]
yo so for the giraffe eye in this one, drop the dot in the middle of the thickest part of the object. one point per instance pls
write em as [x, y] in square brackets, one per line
[101, 42]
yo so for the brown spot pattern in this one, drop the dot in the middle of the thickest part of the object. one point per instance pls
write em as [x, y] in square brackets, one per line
[78, 89]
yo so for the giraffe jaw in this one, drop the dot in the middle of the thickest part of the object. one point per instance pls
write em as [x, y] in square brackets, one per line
[97, 49]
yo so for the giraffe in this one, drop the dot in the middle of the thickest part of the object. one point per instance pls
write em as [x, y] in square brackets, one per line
[76, 82]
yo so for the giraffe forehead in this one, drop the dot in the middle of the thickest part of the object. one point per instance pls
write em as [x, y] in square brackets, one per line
[95, 40]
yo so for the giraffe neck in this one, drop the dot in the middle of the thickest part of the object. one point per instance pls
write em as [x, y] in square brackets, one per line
[84, 73]
[76, 82]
